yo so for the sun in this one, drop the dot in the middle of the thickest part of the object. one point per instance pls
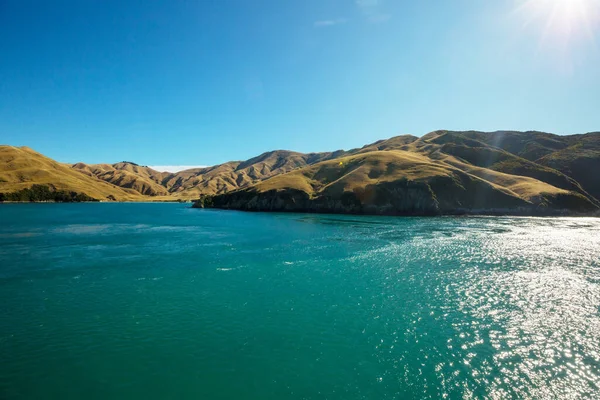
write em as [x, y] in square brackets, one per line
[562, 19]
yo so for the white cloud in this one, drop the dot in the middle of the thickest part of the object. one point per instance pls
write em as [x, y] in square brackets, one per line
[330, 22]
[174, 168]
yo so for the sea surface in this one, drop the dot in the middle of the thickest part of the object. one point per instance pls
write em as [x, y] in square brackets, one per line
[161, 301]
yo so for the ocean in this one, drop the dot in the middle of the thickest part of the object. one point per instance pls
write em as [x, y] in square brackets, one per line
[162, 301]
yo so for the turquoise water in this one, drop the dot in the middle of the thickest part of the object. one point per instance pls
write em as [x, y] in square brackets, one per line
[161, 301]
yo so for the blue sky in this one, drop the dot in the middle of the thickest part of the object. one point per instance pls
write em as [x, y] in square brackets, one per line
[204, 82]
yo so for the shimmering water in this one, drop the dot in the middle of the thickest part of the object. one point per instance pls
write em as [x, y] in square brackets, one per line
[158, 301]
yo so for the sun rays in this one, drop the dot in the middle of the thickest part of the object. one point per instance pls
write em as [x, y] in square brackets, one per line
[563, 21]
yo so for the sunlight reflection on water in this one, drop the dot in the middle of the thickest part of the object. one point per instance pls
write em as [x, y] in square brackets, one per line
[294, 306]
[540, 319]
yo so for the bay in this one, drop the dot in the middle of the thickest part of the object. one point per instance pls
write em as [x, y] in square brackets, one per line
[159, 301]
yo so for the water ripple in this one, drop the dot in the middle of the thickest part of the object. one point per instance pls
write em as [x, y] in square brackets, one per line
[167, 302]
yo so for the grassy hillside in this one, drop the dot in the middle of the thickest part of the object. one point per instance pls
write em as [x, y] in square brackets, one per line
[234, 175]
[129, 181]
[529, 145]
[143, 180]
[580, 160]
[551, 157]
[482, 156]
[439, 173]
[22, 167]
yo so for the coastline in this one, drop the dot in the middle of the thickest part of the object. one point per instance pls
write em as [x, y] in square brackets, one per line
[457, 213]
[145, 201]
[484, 212]
[524, 213]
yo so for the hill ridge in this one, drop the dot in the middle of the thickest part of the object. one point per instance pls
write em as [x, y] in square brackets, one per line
[535, 168]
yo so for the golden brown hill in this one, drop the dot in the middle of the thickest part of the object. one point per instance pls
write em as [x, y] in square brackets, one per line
[580, 160]
[234, 175]
[191, 183]
[439, 173]
[143, 180]
[573, 156]
[479, 154]
[395, 143]
[22, 167]
[530, 145]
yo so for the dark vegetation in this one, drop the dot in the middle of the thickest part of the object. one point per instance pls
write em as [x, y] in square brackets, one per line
[205, 201]
[45, 193]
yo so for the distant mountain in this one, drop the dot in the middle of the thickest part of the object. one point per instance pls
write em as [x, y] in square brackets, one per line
[234, 175]
[143, 180]
[442, 172]
[191, 183]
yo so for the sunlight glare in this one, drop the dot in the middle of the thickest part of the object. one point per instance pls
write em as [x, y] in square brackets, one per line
[562, 19]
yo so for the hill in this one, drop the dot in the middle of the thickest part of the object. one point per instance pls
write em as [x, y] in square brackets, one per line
[143, 180]
[192, 183]
[574, 155]
[441, 173]
[234, 175]
[580, 160]
[21, 168]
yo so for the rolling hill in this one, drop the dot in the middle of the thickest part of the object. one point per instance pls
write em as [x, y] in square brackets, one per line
[576, 156]
[442, 172]
[143, 180]
[22, 167]
[192, 183]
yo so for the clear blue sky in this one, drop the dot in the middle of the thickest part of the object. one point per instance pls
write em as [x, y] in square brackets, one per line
[203, 82]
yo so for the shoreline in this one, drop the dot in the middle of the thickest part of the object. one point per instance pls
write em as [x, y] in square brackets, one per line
[97, 202]
[459, 213]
